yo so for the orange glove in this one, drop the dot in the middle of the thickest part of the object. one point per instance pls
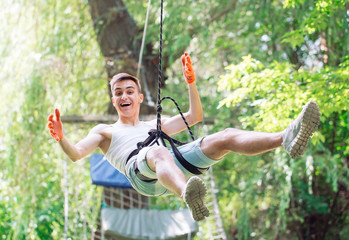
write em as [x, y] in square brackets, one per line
[55, 126]
[187, 68]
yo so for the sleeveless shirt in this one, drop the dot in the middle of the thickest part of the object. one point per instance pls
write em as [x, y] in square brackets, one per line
[124, 140]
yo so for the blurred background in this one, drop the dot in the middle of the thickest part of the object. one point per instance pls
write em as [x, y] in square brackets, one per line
[257, 63]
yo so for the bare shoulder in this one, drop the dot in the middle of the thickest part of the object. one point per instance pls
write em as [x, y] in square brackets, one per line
[102, 129]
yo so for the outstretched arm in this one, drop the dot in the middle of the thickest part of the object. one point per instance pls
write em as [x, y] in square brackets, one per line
[79, 150]
[194, 115]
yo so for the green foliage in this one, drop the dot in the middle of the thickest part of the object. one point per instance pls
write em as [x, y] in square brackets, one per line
[317, 19]
[243, 224]
[266, 95]
[267, 92]
[49, 58]
[269, 98]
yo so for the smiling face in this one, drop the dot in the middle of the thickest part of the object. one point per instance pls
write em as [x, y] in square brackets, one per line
[126, 98]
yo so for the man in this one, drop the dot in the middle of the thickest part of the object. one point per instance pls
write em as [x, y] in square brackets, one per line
[155, 170]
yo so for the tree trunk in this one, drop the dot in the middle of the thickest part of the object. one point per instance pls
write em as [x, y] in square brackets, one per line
[120, 41]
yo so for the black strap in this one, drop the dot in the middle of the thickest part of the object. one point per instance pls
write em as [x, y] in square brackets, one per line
[147, 142]
[187, 165]
[152, 139]
[141, 176]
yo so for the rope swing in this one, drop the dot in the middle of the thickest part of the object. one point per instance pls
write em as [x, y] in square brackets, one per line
[156, 134]
[159, 108]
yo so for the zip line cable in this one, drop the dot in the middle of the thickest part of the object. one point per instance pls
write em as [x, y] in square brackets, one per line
[143, 40]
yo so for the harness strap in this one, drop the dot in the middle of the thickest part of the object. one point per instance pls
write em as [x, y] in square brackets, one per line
[187, 165]
[152, 135]
[153, 138]
[141, 176]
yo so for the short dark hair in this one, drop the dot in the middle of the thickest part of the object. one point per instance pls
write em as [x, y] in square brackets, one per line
[125, 76]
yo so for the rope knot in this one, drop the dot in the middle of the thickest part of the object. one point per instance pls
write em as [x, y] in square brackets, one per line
[159, 109]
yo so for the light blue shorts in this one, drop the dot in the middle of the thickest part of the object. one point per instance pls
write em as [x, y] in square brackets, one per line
[191, 152]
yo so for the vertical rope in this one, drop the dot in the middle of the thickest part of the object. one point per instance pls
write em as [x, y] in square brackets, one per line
[159, 110]
[143, 39]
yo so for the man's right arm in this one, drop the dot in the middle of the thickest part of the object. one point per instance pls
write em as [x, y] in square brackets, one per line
[82, 148]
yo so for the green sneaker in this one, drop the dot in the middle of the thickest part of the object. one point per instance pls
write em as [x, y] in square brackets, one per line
[296, 136]
[194, 196]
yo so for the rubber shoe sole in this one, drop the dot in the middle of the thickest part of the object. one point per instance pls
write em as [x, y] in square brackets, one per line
[309, 123]
[194, 197]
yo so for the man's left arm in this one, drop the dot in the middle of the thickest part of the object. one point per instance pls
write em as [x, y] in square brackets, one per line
[195, 114]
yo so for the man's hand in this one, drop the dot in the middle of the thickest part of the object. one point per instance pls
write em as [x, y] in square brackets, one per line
[55, 126]
[187, 68]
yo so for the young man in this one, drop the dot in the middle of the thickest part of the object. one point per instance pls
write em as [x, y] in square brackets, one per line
[155, 170]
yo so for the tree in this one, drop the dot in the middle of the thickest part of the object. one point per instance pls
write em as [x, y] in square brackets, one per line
[311, 192]
[120, 42]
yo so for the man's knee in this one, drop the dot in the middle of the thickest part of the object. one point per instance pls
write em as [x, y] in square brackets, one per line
[227, 136]
[217, 145]
[230, 131]
[158, 153]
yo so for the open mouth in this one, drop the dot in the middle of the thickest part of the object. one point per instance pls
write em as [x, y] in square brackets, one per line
[125, 104]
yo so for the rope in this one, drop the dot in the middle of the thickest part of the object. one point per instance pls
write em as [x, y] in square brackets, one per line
[179, 110]
[66, 199]
[155, 135]
[159, 108]
[143, 40]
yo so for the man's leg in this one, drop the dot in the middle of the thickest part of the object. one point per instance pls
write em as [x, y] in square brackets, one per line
[294, 139]
[160, 160]
[248, 143]
[193, 192]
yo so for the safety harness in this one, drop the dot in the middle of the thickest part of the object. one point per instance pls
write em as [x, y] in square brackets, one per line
[153, 138]
[156, 134]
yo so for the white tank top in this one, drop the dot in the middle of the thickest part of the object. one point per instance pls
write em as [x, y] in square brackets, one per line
[124, 140]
